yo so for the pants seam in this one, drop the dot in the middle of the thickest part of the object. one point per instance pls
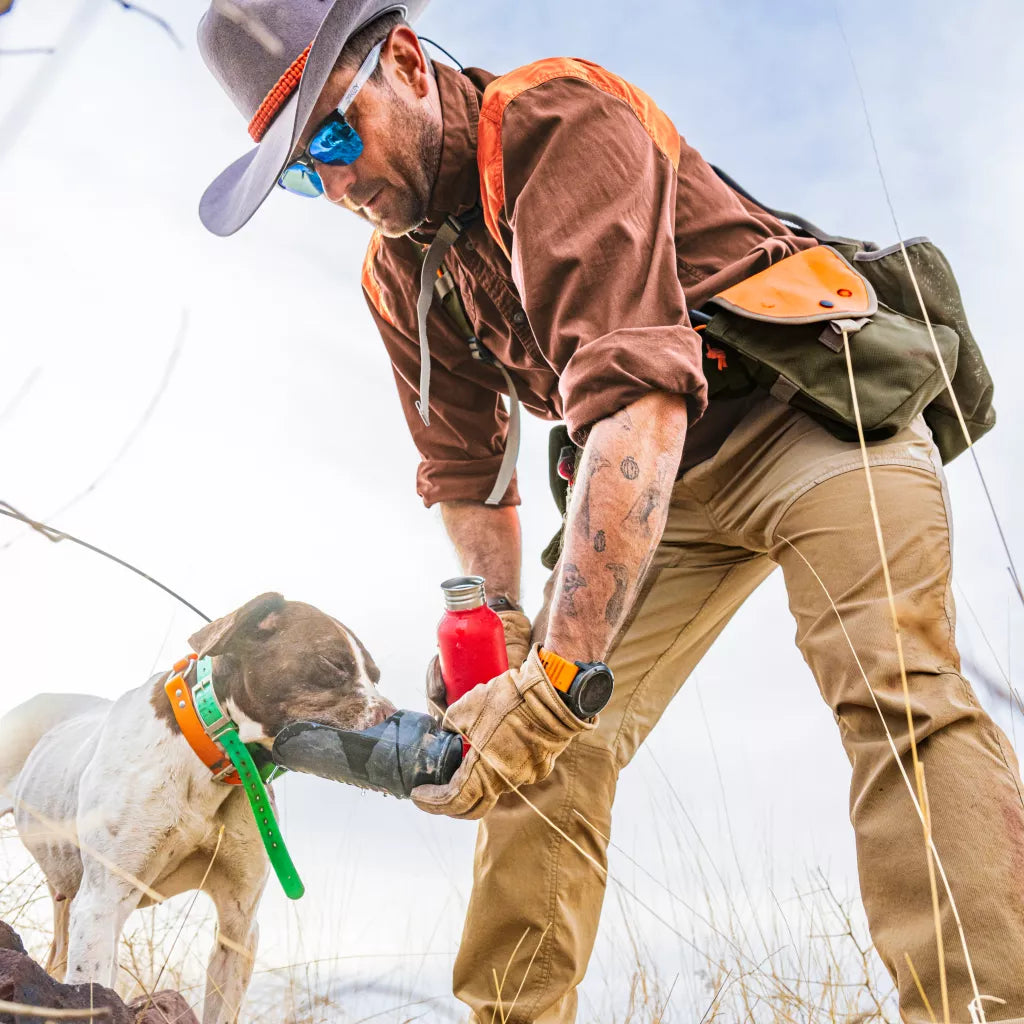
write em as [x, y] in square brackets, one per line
[555, 847]
[906, 461]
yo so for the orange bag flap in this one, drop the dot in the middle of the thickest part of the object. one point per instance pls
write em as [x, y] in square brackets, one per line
[810, 286]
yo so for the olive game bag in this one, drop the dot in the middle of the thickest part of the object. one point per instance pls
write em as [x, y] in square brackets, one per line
[783, 330]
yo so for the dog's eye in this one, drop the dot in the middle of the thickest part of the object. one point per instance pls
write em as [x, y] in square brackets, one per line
[343, 664]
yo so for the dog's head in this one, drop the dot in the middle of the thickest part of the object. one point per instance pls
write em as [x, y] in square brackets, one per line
[278, 661]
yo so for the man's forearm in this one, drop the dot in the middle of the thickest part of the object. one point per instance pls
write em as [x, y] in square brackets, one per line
[616, 518]
[488, 543]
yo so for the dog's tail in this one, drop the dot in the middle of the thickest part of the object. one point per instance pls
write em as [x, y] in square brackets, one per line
[23, 727]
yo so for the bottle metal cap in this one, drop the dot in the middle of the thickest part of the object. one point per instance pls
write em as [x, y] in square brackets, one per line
[462, 593]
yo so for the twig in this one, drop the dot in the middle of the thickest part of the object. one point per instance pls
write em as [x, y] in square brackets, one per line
[22, 1010]
[7, 509]
[132, 437]
[26, 386]
[126, 5]
[27, 51]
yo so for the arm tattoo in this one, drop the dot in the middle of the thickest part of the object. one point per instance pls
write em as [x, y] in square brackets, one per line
[629, 468]
[623, 420]
[643, 508]
[600, 541]
[571, 582]
[596, 464]
[617, 602]
[640, 511]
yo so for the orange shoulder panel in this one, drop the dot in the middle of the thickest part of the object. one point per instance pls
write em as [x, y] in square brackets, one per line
[502, 91]
[370, 283]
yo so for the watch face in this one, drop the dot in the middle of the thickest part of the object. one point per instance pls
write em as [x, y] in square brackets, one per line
[593, 690]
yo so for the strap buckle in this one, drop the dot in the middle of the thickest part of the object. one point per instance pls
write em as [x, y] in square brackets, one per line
[215, 720]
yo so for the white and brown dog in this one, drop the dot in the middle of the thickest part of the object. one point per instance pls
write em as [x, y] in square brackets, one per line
[107, 794]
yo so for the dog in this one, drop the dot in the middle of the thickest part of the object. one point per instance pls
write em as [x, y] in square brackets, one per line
[109, 794]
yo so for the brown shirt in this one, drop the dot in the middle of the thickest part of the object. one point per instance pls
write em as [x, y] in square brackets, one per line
[600, 226]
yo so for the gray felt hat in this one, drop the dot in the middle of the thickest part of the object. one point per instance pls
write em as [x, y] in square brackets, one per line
[255, 49]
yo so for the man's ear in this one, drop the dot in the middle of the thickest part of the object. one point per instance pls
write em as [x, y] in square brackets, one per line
[404, 50]
[220, 634]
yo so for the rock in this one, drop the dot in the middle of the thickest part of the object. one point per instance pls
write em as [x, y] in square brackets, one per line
[22, 980]
[161, 1007]
[10, 939]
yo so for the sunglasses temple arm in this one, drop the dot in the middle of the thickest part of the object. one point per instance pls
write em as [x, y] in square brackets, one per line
[366, 69]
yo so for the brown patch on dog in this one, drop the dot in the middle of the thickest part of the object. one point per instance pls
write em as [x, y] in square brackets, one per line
[161, 705]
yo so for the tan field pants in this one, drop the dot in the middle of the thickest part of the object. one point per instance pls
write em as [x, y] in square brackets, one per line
[781, 488]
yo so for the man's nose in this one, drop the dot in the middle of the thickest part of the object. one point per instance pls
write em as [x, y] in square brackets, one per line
[337, 179]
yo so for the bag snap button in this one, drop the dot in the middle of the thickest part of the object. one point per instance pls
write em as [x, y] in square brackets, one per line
[826, 303]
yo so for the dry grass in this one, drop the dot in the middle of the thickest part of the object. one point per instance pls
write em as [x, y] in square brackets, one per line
[804, 957]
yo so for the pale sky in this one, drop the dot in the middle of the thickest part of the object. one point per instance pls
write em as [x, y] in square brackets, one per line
[278, 458]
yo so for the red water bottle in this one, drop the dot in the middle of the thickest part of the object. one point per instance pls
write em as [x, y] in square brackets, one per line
[470, 637]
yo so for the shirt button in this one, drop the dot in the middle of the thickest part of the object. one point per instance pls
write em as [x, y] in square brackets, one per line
[518, 317]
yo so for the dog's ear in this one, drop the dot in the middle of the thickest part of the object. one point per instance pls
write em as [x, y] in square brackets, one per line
[218, 636]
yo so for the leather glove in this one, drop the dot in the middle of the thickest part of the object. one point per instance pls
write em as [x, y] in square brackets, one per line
[517, 644]
[517, 725]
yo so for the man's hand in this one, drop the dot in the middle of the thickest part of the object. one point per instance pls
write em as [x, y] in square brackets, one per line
[619, 505]
[517, 725]
[517, 646]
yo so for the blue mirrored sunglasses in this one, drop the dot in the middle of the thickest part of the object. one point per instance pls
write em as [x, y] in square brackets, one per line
[334, 142]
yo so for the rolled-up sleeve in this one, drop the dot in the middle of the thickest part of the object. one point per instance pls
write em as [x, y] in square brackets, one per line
[462, 449]
[589, 200]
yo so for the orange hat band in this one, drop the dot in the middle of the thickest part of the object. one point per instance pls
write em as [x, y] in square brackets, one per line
[277, 97]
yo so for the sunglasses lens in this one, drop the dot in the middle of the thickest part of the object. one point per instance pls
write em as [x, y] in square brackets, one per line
[337, 142]
[302, 181]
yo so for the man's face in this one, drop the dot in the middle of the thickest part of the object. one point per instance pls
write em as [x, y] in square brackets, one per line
[398, 116]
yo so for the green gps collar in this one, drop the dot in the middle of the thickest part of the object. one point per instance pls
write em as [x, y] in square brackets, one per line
[221, 729]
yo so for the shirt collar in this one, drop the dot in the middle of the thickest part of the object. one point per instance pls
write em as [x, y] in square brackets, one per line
[457, 188]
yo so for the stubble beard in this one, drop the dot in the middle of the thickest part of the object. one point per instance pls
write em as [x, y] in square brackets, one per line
[412, 202]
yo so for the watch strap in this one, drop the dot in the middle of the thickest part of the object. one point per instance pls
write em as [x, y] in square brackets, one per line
[558, 670]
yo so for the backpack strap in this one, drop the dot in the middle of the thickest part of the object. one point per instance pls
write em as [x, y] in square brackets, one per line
[434, 278]
[793, 219]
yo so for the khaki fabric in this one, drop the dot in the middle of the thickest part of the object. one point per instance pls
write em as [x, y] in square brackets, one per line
[780, 477]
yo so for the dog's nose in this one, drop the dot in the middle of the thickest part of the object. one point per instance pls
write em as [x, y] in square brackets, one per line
[378, 711]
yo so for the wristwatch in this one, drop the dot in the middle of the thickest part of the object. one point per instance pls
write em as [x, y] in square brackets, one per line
[585, 686]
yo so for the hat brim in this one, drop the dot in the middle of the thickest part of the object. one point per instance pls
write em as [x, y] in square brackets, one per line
[239, 190]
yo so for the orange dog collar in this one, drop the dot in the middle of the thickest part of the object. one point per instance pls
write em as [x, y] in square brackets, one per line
[180, 695]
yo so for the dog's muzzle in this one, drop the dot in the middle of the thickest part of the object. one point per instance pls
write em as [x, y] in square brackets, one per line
[404, 751]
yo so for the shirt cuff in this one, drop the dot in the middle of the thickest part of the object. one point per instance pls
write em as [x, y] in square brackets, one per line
[611, 372]
[462, 480]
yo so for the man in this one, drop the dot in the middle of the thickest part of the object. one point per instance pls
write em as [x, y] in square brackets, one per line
[579, 229]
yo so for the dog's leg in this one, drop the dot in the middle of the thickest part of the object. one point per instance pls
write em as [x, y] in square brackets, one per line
[98, 913]
[57, 960]
[236, 895]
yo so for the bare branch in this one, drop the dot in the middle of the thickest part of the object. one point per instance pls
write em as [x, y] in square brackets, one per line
[26, 386]
[132, 437]
[164, 24]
